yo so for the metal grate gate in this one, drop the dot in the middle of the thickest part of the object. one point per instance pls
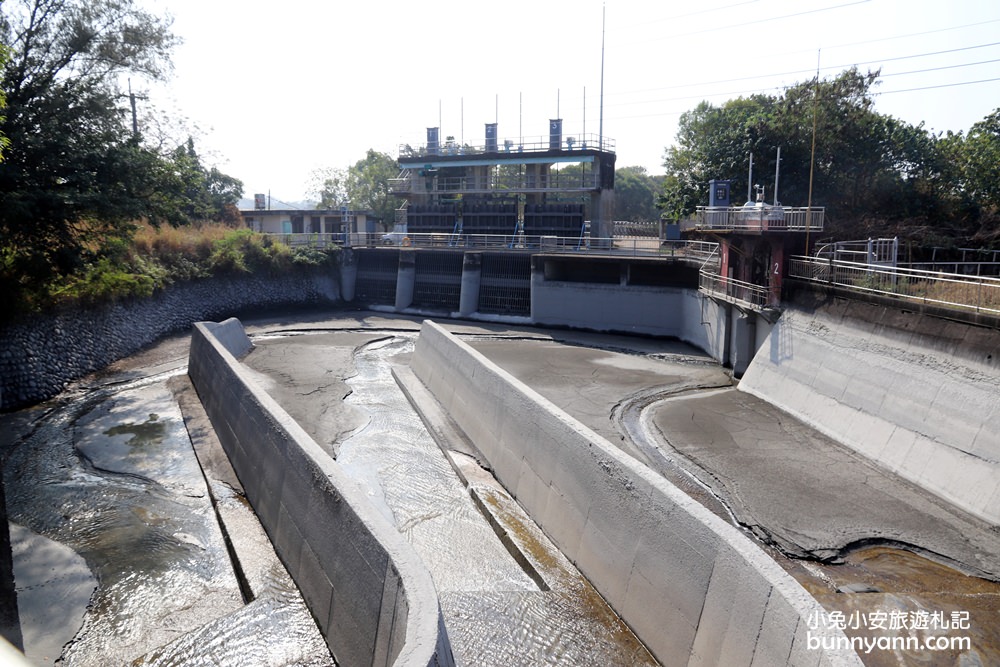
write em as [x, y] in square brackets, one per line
[376, 281]
[505, 284]
[438, 280]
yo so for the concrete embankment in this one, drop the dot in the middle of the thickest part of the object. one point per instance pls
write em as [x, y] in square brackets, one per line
[694, 589]
[41, 353]
[915, 393]
[367, 589]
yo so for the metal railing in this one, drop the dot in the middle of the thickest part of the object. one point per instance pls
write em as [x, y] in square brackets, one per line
[308, 239]
[571, 142]
[950, 290]
[755, 218]
[734, 290]
[703, 252]
[699, 251]
[415, 183]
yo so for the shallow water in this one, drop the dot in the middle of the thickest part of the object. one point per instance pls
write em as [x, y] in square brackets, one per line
[495, 612]
[118, 555]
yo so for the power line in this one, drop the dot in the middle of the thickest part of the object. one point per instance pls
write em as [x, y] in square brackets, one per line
[937, 69]
[912, 34]
[784, 88]
[884, 92]
[943, 85]
[744, 24]
[689, 14]
[809, 71]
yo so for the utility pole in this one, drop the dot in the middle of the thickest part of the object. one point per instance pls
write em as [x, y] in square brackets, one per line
[135, 121]
[600, 129]
[812, 156]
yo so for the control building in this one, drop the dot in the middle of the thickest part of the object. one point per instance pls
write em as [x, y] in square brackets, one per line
[508, 186]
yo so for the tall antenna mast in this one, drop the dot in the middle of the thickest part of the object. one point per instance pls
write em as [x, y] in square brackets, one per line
[812, 155]
[777, 170]
[600, 140]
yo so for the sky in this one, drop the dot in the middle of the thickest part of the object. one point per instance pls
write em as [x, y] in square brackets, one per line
[274, 91]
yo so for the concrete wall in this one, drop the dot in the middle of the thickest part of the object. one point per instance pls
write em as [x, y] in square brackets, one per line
[918, 394]
[674, 312]
[41, 353]
[369, 592]
[694, 589]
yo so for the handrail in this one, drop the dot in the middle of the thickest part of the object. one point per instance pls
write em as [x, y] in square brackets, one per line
[518, 183]
[734, 290]
[695, 250]
[703, 252]
[950, 290]
[757, 218]
[535, 144]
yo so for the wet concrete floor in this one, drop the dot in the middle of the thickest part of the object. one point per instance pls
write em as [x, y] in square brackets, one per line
[119, 553]
[77, 502]
[506, 593]
[832, 519]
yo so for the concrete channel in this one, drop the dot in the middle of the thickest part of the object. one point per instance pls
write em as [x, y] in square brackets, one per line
[506, 590]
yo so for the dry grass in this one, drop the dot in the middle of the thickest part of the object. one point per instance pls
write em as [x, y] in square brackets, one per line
[189, 240]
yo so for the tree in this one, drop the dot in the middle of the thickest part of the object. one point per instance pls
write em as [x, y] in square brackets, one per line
[74, 177]
[981, 162]
[368, 185]
[197, 193]
[330, 187]
[867, 166]
[4, 141]
[635, 195]
[364, 185]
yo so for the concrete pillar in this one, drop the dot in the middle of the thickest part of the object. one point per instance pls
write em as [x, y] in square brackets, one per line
[775, 271]
[602, 214]
[472, 275]
[724, 258]
[744, 341]
[406, 278]
[537, 279]
[348, 274]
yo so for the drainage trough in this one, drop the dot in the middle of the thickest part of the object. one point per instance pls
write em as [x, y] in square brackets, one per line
[370, 594]
[694, 589]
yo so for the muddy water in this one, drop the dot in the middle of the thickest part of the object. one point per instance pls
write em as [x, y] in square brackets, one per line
[909, 604]
[898, 607]
[118, 555]
[109, 486]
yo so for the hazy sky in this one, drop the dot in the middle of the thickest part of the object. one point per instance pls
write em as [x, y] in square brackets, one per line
[275, 90]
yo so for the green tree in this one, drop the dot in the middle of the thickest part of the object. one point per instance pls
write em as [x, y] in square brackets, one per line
[367, 185]
[74, 177]
[199, 193]
[868, 167]
[635, 195]
[4, 141]
[981, 162]
[330, 187]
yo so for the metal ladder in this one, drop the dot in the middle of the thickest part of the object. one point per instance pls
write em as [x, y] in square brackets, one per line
[584, 236]
[518, 237]
[456, 233]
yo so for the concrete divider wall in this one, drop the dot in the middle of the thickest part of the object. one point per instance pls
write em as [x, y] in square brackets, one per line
[694, 589]
[917, 394]
[675, 312]
[369, 592]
